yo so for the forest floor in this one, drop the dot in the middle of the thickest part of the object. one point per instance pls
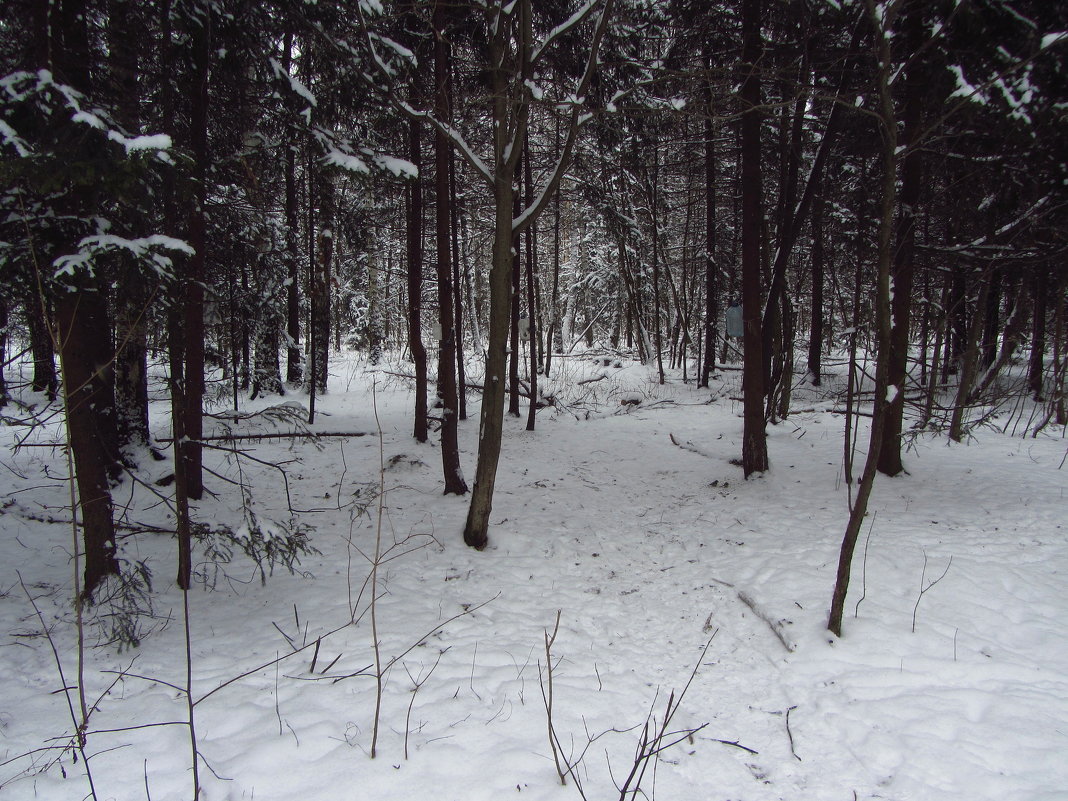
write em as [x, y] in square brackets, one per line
[626, 522]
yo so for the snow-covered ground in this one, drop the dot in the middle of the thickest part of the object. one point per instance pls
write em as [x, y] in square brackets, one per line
[629, 523]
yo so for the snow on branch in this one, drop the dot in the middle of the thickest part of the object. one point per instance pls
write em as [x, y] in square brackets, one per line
[150, 250]
[563, 28]
[294, 84]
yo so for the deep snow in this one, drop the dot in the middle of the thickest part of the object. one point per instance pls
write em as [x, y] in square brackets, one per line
[631, 523]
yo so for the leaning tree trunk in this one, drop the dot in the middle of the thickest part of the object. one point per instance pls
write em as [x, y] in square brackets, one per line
[888, 127]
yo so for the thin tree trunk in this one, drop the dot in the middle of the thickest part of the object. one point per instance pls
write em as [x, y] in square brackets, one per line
[450, 451]
[193, 324]
[461, 377]
[815, 331]
[513, 330]
[888, 128]
[532, 329]
[708, 362]
[415, 282]
[292, 221]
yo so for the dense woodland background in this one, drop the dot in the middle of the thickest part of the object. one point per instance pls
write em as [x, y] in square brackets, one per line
[237, 190]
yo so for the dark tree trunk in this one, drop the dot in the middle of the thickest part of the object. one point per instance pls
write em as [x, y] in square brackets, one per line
[969, 362]
[3, 351]
[708, 362]
[415, 282]
[815, 332]
[457, 287]
[513, 331]
[42, 350]
[1036, 365]
[450, 450]
[292, 220]
[658, 343]
[992, 328]
[124, 34]
[903, 270]
[194, 284]
[532, 330]
[754, 437]
[320, 308]
[84, 334]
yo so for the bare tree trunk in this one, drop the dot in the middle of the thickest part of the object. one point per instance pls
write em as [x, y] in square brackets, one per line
[708, 362]
[888, 128]
[969, 363]
[815, 331]
[415, 282]
[42, 350]
[461, 379]
[1036, 368]
[193, 327]
[84, 337]
[320, 322]
[450, 450]
[903, 269]
[292, 220]
[533, 328]
[124, 34]
[754, 437]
